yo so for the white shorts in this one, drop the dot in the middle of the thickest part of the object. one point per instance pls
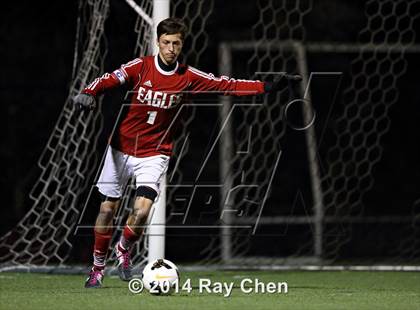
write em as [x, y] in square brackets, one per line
[119, 168]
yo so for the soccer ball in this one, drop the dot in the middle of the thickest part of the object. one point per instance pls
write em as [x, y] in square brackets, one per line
[159, 276]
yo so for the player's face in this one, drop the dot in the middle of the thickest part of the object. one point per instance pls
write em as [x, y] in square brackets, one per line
[170, 46]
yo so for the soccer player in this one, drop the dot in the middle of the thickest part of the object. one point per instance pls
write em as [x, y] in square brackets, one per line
[142, 143]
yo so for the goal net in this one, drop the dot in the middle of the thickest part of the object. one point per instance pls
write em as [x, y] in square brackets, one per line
[44, 235]
[50, 232]
[349, 91]
[311, 175]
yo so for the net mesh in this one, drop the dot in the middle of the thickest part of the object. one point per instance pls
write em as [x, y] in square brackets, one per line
[259, 133]
[353, 147]
[44, 235]
[371, 93]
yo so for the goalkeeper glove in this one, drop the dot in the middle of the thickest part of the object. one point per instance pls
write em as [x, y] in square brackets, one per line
[282, 81]
[84, 102]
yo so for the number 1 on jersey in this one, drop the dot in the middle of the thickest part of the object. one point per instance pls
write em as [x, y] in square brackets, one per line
[152, 117]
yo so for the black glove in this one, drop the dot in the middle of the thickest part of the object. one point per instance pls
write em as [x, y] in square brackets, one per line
[282, 81]
[84, 102]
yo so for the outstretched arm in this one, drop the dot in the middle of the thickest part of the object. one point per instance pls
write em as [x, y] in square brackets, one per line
[204, 82]
[86, 100]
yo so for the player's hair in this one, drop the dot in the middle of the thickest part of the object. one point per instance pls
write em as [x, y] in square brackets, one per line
[172, 25]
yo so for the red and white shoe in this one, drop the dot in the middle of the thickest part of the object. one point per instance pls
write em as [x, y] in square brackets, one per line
[124, 263]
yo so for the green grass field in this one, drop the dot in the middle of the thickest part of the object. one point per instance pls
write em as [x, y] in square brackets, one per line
[306, 290]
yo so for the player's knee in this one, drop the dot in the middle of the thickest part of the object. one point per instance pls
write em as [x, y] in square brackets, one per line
[146, 192]
[140, 215]
[106, 214]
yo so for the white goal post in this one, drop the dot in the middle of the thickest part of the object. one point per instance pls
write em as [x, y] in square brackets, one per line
[156, 228]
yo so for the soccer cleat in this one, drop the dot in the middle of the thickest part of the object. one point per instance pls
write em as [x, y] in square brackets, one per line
[95, 279]
[124, 264]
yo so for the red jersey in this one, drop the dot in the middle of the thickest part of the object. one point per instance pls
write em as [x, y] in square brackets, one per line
[148, 127]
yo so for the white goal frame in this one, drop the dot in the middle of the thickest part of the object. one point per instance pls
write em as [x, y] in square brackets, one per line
[318, 219]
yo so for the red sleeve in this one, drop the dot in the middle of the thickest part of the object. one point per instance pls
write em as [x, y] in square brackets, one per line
[204, 82]
[127, 73]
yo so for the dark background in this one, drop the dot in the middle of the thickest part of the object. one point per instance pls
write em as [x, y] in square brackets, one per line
[37, 46]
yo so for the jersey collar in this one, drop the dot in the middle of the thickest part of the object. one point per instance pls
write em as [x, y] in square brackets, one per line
[163, 71]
